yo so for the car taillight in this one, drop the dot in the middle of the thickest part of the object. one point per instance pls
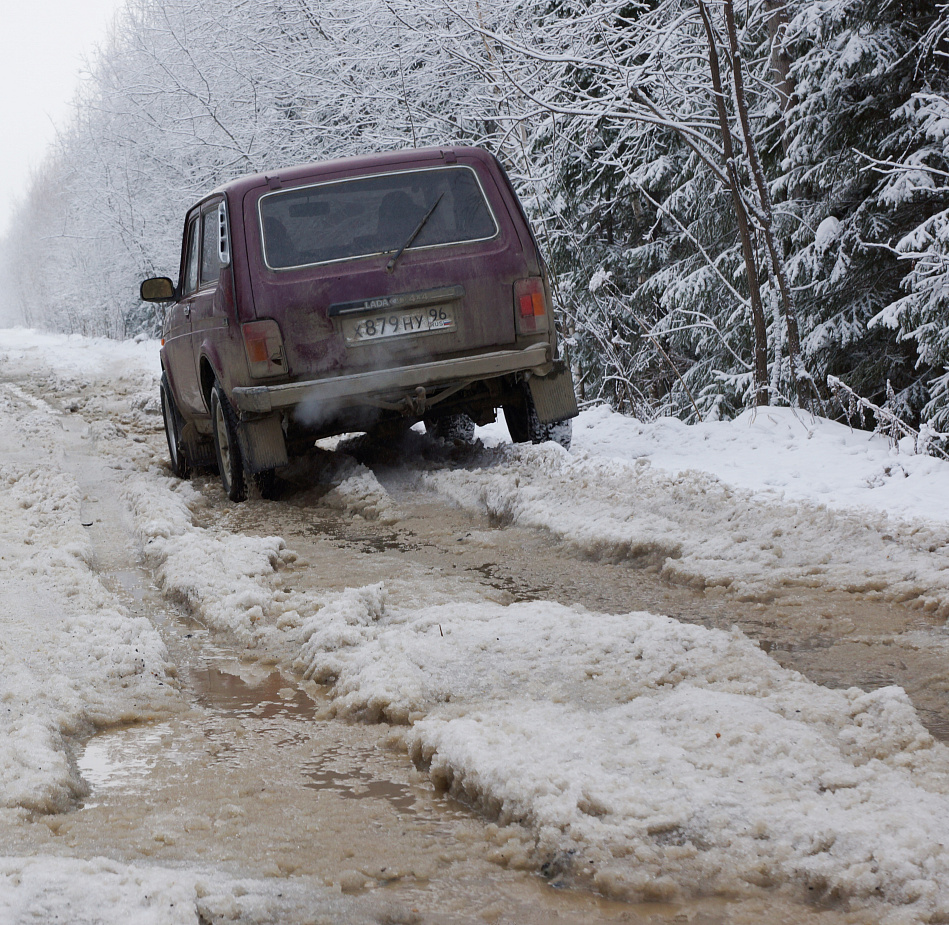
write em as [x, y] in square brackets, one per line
[530, 305]
[264, 345]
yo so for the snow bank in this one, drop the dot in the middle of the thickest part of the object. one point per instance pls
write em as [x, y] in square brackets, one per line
[25, 351]
[649, 757]
[97, 892]
[699, 531]
[781, 453]
[222, 577]
[71, 658]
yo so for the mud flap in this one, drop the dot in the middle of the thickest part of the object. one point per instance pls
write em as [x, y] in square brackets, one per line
[263, 444]
[199, 450]
[554, 397]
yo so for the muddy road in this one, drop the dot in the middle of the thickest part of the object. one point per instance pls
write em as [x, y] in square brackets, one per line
[836, 638]
[255, 771]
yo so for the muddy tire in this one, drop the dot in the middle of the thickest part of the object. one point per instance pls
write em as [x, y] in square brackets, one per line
[226, 446]
[266, 483]
[560, 432]
[177, 453]
[458, 428]
[524, 427]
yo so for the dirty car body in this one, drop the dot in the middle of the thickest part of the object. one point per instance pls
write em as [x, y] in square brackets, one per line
[354, 295]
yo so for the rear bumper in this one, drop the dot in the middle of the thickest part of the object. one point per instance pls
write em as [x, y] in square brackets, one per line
[358, 388]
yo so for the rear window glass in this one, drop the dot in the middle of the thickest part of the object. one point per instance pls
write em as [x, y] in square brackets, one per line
[372, 215]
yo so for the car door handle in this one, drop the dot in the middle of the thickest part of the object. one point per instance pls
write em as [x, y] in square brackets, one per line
[187, 310]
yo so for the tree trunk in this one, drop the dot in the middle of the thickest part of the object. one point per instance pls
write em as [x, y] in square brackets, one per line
[800, 379]
[780, 60]
[759, 326]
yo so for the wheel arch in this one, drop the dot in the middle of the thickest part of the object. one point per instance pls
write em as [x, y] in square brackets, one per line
[207, 376]
[169, 378]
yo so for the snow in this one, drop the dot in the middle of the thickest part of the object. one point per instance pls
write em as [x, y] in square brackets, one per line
[600, 277]
[780, 454]
[70, 658]
[649, 758]
[99, 891]
[75, 355]
[828, 231]
[215, 574]
[699, 530]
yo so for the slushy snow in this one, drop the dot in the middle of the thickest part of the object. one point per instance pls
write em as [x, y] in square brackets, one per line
[71, 658]
[649, 758]
[701, 531]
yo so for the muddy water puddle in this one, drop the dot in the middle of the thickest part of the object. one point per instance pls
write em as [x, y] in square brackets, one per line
[258, 789]
[249, 779]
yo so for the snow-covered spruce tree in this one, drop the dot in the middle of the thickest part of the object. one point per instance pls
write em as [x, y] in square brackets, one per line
[865, 76]
[635, 222]
[661, 190]
[921, 178]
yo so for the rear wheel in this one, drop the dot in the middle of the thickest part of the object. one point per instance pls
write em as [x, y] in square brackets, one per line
[227, 448]
[180, 463]
[560, 432]
[457, 427]
[524, 426]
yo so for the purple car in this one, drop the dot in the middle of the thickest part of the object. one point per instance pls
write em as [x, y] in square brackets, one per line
[356, 295]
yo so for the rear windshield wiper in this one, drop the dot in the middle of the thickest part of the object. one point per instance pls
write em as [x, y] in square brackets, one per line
[390, 266]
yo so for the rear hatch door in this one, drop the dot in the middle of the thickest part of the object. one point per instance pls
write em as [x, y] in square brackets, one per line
[386, 268]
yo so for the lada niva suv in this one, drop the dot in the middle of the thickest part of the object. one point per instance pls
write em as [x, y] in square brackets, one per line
[355, 295]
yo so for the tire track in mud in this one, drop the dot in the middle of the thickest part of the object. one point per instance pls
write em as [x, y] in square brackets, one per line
[837, 638]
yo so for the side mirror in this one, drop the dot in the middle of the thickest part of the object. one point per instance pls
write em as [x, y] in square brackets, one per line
[157, 289]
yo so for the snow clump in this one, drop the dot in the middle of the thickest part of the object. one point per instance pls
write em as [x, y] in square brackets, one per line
[650, 758]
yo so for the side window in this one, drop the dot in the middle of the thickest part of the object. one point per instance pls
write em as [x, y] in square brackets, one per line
[210, 247]
[191, 261]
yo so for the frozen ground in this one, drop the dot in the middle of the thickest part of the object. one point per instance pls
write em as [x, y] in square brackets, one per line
[646, 757]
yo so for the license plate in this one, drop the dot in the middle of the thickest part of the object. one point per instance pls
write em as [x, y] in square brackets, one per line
[428, 320]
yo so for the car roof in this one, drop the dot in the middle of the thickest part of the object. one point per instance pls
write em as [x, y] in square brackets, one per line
[368, 163]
